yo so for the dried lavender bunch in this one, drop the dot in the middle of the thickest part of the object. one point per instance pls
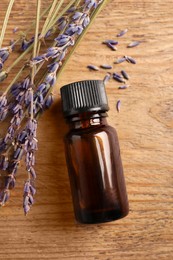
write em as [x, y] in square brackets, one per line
[26, 139]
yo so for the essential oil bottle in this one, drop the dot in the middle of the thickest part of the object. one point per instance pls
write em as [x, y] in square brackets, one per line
[93, 154]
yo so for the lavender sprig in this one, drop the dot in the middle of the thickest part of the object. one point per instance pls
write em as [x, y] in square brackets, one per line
[26, 142]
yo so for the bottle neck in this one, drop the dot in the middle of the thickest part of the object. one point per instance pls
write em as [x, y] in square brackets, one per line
[86, 120]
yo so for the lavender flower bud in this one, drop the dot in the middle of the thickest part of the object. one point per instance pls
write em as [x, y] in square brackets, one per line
[3, 101]
[4, 197]
[77, 16]
[48, 102]
[53, 67]
[51, 78]
[62, 39]
[4, 55]
[62, 23]
[10, 181]
[3, 113]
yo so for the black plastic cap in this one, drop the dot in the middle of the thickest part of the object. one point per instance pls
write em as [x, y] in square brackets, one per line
[84, 96]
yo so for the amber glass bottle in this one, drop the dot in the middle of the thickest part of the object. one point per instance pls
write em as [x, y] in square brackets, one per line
[93, 154]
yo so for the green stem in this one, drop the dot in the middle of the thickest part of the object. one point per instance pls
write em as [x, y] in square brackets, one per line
[46, 23]
[34, 52]
[77, 3]
[31, 46]
[55, 12]
[10, 5]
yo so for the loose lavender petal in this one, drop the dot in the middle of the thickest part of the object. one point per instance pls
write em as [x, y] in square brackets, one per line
[120, 60]
[118, 105]
[122, 33]
[112, 47]
[130, 59]
[123, 87]
[15, 29]
[118, 78]
[107, 78]
[125, 75]
[93, 67]
[106, 66]
[117, 75]
[112, 42]
[133, 44]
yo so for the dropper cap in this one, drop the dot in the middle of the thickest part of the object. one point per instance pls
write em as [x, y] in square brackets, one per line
[84, 96]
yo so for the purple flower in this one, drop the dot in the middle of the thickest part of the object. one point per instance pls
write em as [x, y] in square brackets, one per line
[62, 23]
[62, 39]
[91, 4]
[49, 100]
[26, 44]
[74, 29]
[4, 54]
[53, 67]
[51, 78]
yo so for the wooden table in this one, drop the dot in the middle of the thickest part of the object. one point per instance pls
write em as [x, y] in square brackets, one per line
[145, 128]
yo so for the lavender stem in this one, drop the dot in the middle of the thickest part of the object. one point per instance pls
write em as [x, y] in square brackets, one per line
[10, 5]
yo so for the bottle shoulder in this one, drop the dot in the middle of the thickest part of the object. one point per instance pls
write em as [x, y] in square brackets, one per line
[91, 131]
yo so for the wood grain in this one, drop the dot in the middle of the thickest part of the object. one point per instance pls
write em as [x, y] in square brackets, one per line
[145, 128]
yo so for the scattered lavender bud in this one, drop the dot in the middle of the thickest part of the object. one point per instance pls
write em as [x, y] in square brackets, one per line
[106, 66]
[133, 44]
[112, 42]
[15, 29]
[118, 78]
[118, 105]
[125, 75]
[93, 67]
[117, 75]
[112, 47]
[120, 60]
[122, 33]
[123, 87]
[130, 59]
[107, 78]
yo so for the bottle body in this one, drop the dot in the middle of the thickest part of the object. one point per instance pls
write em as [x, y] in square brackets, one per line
[95, 171]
